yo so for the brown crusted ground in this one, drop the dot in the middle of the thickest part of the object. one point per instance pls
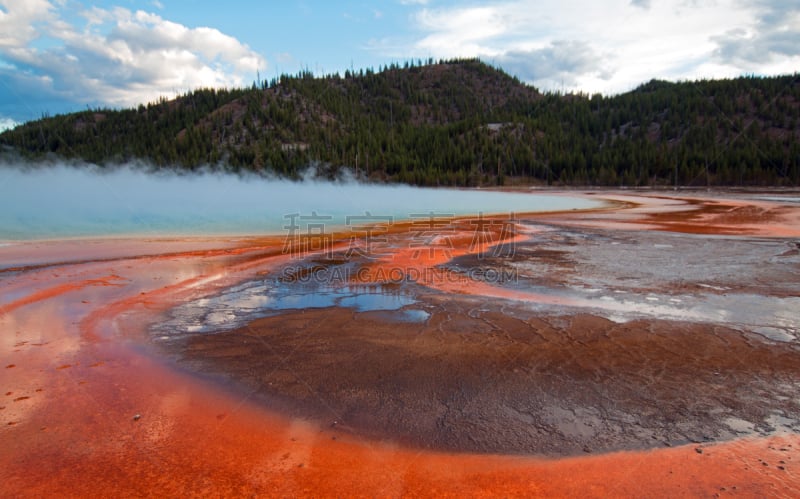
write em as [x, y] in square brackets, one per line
[478, 378]
[489, 375]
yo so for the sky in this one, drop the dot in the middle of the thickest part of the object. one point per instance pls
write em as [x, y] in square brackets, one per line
[61, 56]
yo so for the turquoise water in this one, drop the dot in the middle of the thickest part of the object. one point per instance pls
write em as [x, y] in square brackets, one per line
[64, 202]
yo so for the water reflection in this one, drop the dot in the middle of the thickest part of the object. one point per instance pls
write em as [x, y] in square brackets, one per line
[241, 304]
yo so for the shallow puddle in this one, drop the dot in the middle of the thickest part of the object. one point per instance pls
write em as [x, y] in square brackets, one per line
[243, 303]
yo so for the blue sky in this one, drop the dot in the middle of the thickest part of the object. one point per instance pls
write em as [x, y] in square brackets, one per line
[64, 55]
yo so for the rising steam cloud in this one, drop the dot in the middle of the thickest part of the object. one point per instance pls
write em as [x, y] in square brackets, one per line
[62, 200]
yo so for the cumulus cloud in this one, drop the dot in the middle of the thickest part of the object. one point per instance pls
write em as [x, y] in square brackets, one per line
[18, 20]
[7, 123]
[115, 56]
[609, 46]
[773, 33]
[561, 63]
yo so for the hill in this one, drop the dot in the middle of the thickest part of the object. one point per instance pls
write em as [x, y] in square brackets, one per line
[458, 122]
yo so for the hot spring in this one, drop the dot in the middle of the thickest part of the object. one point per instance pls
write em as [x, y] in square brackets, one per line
[57, 202]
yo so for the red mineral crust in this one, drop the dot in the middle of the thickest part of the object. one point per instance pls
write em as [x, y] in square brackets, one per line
[482, 396]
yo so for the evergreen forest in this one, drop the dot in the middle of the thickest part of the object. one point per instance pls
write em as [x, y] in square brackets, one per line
[454, 123]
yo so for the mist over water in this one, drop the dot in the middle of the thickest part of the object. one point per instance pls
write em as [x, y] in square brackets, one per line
[51, 202]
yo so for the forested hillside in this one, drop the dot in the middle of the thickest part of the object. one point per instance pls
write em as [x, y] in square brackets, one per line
[457, 122]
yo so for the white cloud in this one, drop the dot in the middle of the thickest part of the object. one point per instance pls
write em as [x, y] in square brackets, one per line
[773, 35]
[560, 64]
[7, 123]
[117, 57]
[610, 46]
[18, 19]
[285, 58]
[461, 29]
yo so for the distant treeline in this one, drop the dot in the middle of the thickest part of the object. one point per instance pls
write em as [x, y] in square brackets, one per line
[458, 122]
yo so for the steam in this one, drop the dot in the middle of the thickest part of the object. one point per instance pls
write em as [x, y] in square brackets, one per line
[61, 200]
